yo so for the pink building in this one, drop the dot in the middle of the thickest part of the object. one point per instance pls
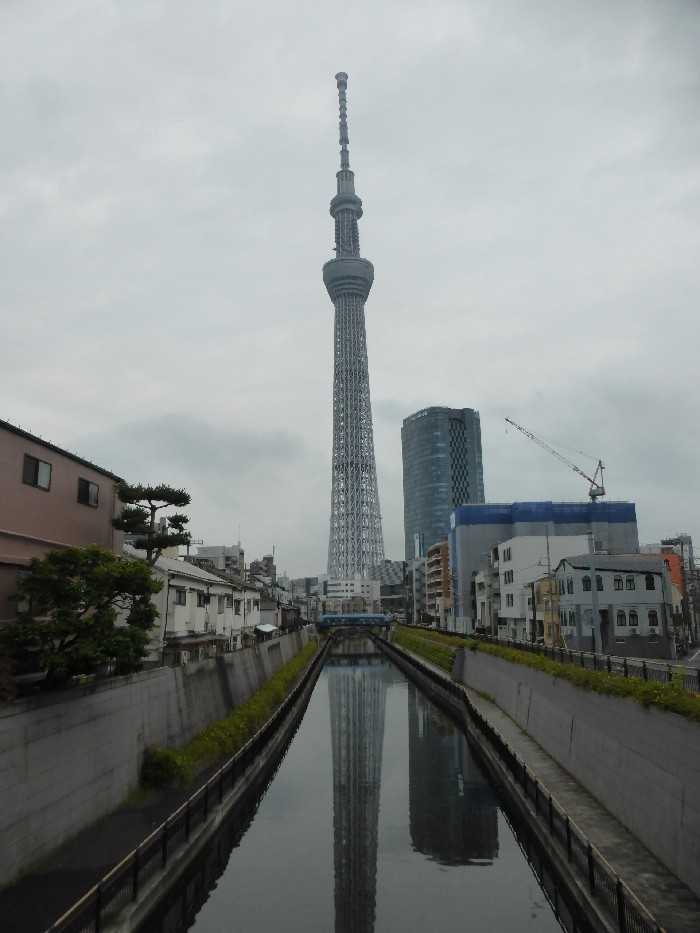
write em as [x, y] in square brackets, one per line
[49, 498]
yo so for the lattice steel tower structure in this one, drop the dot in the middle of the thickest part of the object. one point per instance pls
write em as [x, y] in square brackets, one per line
[355, 542]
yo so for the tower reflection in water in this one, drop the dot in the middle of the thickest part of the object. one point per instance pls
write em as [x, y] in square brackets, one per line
[357, 693]
[453, 812]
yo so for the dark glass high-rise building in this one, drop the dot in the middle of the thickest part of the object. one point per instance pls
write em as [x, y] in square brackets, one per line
[442, 469]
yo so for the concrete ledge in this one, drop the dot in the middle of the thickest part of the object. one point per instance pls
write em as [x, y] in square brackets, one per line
[134, 915]
[642, 764]
[69, 759]
[587, 910]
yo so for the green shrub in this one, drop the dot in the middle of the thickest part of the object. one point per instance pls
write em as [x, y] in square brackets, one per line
[165, 766]
[162, 767]
[668, 696]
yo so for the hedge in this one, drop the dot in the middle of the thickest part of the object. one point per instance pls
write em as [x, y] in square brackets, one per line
[672, 696]
[165, 766]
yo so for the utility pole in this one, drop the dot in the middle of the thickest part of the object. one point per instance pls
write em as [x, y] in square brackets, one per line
[595, 612]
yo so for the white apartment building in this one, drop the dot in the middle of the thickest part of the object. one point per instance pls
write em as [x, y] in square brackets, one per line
[628, 594]
[352, 594]
[200, 615]
[518, 563]
[228, 559]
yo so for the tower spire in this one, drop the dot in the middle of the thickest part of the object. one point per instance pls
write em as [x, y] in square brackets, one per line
[342, 81]
[355, 544]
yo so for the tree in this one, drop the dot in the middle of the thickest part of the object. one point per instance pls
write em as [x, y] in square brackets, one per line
[138, 517]
[68, 608]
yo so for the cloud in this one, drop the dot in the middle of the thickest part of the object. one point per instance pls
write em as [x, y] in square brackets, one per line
[532, 209]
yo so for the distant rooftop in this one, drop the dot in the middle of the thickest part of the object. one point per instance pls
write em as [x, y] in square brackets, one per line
[625, 563]
[6, 426]
[510, 513]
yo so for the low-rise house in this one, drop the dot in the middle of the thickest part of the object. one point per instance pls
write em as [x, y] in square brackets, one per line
[628, 596]
[520, 562]
[49, 498]
[200, 614]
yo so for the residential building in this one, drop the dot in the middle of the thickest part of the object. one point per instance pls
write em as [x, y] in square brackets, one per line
[487, 597]
[416, 576]
[228, 559]
[475, 529]
[684, 575]
[49, 498]
[353, 594]
[521, 561]
[616, 604]
[442, 469]
[438, 602]
[547, 617]
[265, 568]
[200, 614]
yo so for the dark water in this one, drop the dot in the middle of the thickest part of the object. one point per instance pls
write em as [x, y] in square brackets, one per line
[379, 818]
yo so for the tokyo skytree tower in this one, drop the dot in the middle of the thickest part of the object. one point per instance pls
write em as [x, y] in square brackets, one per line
[355, 544]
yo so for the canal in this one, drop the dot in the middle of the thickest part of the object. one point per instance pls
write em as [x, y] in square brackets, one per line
[379, 818]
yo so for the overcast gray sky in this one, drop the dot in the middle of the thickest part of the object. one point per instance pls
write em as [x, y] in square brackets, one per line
[531, 184]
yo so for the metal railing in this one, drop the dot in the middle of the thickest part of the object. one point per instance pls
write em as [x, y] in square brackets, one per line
[122, 884]
[604, 884]
[645, 669]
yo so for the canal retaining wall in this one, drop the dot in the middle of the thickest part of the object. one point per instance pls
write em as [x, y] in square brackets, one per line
[68, 759]
[643, 765]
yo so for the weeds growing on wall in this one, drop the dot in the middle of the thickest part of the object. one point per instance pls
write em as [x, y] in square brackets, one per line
[166, 766]
[440, 649]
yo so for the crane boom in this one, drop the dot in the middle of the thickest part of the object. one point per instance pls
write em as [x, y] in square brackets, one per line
[596, 490]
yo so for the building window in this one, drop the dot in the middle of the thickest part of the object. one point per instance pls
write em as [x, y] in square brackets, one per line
[572, 618]
[88, 493]
[180, 597]
[509, 599]
[36, 472]
[653, 618]
[256, 604]
[202, 599]
[621, 617]
[506, 553]
[629, 583]
[586, 582]
[649, 581]
[617, 583]
[237, 606]
[570, 585]
[599, 583]
[562, 617]
[634, 618]
[561, 587]
[229, 602]
[220, 601]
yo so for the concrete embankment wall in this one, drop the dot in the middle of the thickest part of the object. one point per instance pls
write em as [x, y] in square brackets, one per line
[642, 764]
[68, 759]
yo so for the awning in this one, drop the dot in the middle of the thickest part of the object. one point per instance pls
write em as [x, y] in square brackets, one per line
[266, 628]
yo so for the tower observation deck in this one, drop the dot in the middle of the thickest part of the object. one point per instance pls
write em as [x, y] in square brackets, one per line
[355, 543]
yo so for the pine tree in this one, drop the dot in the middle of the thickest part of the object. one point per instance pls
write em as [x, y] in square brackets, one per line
[138, 517]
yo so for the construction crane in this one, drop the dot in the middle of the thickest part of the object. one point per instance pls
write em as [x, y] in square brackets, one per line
[596, 490]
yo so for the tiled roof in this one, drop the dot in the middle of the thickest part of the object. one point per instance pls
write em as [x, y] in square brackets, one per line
[180, 567]
[625, 563]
